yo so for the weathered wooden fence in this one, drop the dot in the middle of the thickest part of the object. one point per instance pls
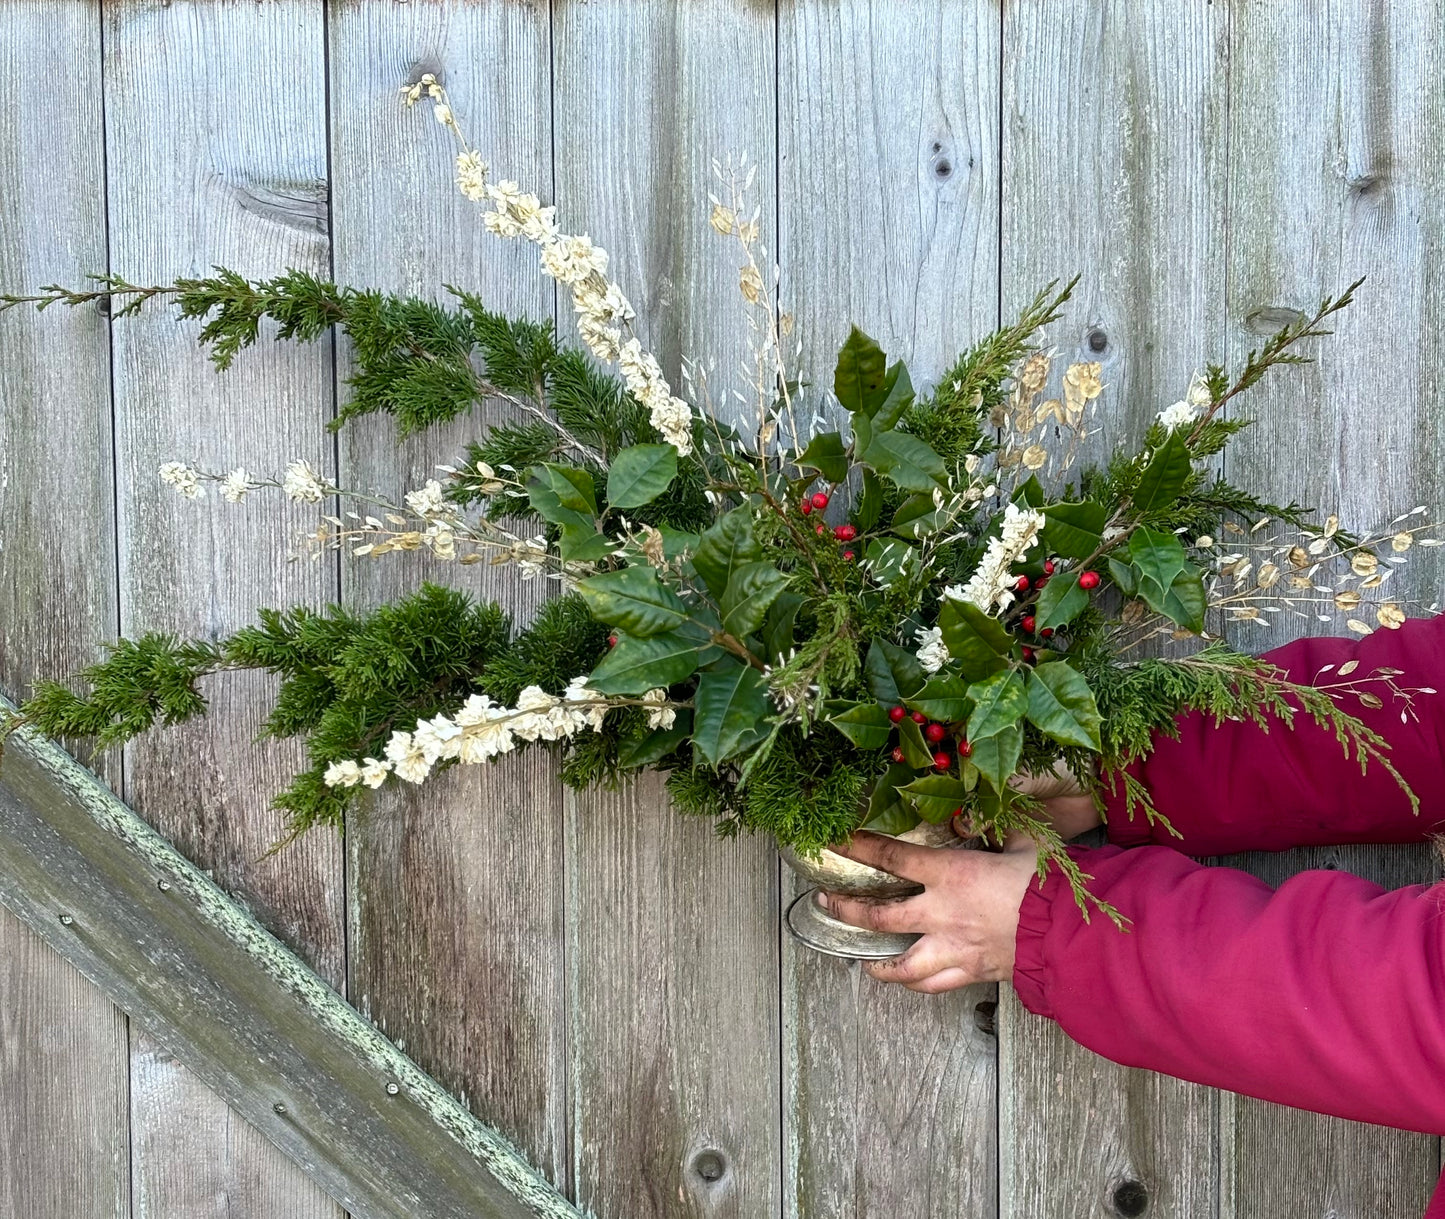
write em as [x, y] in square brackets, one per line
[601, 979]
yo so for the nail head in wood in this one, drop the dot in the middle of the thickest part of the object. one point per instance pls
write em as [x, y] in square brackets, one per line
[66, 920]
[163, 885]
[392, 1089]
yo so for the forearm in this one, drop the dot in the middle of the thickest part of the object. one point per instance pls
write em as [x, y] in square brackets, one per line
[1327, 994]
[1234, 787]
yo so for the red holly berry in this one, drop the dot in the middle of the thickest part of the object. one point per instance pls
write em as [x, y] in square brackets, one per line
[941, 760]
[1028, 654]
[919, 718]
[935, 733]
[820, 530]
[896, 714]
[611, 641]
[965, 749]
[1041, 581]
[897, 753]
[848, 556]
[1048, 567]
[1046, 633]
[805, 507]
[1022, 584]
[1088, 580]
[820, 501]
[845, 533]
[1027, 622]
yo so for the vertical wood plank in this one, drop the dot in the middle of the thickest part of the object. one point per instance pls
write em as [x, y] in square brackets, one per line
[672, 934]
[889, 178]
[456, 908]
[1114, 155]
[217, 154]
[63, 1047]
[1337, 169]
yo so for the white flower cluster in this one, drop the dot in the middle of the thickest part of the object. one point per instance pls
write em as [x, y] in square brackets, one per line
[480, 729]
[1178, 415]
[932, 651]
[572, 259]
[184, 479]
[992, 583]
[303, 484]
[428, 502]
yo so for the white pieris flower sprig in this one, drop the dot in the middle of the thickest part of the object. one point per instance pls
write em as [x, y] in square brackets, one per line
[604, 314]
[992, 584]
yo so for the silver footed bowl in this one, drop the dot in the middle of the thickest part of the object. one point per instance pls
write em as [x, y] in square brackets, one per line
[838, 874]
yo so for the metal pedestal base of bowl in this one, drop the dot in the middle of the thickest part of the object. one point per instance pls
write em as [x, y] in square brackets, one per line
[810, 924]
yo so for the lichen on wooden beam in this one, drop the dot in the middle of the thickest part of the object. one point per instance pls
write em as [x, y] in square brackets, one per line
[241, 1010]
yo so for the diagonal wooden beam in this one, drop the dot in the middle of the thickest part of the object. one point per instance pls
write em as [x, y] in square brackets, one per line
[240, 1009]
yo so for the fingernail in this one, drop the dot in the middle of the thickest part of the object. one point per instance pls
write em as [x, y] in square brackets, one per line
[822, 899]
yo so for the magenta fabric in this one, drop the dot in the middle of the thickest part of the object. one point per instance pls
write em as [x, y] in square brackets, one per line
[1327, 993]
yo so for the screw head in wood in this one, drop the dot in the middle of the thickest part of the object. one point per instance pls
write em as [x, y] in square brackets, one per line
[392, 1089]
[163, 885]
[66, 920]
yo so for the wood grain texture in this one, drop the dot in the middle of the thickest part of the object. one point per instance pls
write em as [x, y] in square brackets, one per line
[63, 1046]
[1337, 163]
[889, 178]
[1114, 167]
[456, 904]
[672, 934]
[247, 1016]
[217, 155]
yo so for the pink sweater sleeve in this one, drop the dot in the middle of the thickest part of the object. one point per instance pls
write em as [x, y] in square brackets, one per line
[1327, 994]
[1234, 787]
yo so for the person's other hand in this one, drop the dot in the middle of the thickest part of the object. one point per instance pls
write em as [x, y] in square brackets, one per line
[968, 912]
[1067, 807]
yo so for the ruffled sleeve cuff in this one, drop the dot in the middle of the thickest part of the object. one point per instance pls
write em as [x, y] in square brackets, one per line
[1042, 905]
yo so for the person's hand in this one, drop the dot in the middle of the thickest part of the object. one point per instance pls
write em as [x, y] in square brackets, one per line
[968, 913]
[1067, 807]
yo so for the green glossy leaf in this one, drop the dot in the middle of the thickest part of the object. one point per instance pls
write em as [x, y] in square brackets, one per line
[1164, 477]
[888, 812]
[730, 711]
[906, 461]
[1030, 493]
[676, 541]
[1061, 706]
[1183, 602]
[1074, 530]
[890, 558]
[916, 516]
[1125, 577]
[1061, 601]
[997, 756]
[976, 642]
[917, 752]
[778, 626]
[944, 698]
[865, 724]
[582, 543]
[870, 502]
[999, 702]
[897, 398]
[728, 543]
[640, 474]
[936, 797]
[1157, 556]
[638, 665]
[892, 673]
[827, 454]
[656, 744]
[572, 487]
[861, 372]
[633, 600]
[752, 588]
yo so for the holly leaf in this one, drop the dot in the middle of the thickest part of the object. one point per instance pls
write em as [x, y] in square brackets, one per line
[656, 744]
[1030, 493]
[778, 626]
[905, 461]
[998, 703]
[866, 724]
[889, 559]
[888, 812]
[1156, 556]
[1183, 602]
[728, 543]
[916, 516]
[870, 502]
[1061, 601]
[572, 488]
[944, 698]
[730, 710]
[858, 379]
[638, 475]
[1074, 530]
[997, 756]
[751, 589]
[1164, 477]
[826, 454]
[897, 398]
[582, 543]
[917, 752]
[936, 797]
[1061, 706]
[891, 672]
[1124, 577]
[977, 642]
[634, 601]
[637, 665]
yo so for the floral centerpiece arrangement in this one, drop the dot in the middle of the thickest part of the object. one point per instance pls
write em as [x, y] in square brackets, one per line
[867, 607]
